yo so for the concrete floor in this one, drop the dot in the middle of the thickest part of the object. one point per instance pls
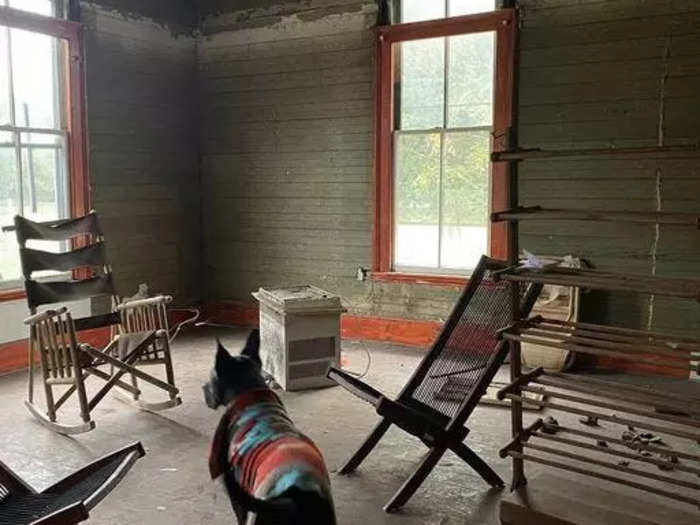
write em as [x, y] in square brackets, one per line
[171, 484]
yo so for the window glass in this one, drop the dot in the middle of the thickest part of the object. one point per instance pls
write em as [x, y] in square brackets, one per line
[9, 260]
[33, 162]
[470, 7]
[40, 7]
[416, 188]
[465, 199]
[4, 79]
[422, 80]
[419, 10]
[470, 80]
[444, 102]
[33, 74]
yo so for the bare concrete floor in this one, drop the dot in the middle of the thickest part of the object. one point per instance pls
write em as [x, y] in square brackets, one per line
[171, 484]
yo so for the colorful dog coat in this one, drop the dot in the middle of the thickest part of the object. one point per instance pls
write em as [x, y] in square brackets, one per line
[267, 454]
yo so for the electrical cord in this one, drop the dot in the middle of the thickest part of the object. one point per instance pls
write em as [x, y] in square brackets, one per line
[178, 328]
[367, 366]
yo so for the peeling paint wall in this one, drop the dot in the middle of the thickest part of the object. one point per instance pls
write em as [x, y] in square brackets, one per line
[614, 74]
[140, 68]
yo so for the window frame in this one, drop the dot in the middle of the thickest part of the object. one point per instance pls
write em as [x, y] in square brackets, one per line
[75, 113]
[503, 23]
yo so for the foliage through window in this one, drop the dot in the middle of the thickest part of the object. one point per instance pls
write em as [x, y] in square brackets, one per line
[33, 131]
[443, 93]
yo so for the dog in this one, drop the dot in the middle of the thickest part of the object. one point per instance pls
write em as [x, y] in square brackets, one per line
[272, 472]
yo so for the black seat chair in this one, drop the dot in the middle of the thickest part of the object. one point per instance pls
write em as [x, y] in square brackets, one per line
[446, 387]
[71, 499]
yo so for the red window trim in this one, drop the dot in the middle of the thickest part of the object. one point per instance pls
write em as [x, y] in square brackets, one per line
[504, 23]
[71, 32]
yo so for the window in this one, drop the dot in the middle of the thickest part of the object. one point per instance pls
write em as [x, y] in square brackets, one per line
[444, 103]
[42, 151]
[421, 10]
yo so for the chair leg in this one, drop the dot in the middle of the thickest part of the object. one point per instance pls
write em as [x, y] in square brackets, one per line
[50, 406]
[48, 390]
[30, 382]
[366, 447]
[478, 464]
[82, 396]
[169, 373]
[411, 485]
[135, 384]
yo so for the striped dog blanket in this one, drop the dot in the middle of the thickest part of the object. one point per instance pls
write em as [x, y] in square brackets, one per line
[267, 454]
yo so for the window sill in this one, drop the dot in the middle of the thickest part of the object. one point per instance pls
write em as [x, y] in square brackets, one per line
[12, 294]
[399, 277]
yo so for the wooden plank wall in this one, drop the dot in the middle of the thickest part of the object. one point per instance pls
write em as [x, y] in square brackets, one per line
[143, 144]
[608, 74]
[286, 120]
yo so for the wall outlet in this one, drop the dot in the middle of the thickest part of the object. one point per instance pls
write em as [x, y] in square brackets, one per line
[362, 273]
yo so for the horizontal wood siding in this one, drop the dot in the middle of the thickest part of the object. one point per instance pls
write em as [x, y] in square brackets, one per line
[143, 147]
[612, 74]
[286, 103]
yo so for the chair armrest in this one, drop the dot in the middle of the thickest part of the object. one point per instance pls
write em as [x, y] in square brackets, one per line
[43, 316]
[74, 513]
[151, 301]
[355, 386]
[131, 453]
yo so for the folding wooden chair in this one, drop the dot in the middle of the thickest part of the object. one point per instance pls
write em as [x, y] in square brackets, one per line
[139, 328]
[469, 351]
[70, 500]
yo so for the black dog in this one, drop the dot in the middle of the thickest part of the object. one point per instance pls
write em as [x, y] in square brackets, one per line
[272, 472]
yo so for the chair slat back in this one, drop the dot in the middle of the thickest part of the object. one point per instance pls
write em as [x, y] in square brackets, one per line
[91, 256]
[459, 360]
[145, 318]
[54, 339]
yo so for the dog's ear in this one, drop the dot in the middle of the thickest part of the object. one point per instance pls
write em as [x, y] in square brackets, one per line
[252, 347]
[222, 357]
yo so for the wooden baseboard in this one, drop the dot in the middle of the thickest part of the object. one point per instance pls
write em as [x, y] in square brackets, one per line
[402, 331]
[409, 332]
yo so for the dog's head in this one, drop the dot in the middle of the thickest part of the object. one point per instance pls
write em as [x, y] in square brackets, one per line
[234, 375]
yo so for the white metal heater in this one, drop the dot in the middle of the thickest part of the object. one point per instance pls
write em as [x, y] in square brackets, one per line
[299, 335]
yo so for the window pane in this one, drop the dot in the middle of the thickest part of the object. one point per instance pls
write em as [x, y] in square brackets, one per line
[4, 79]
[43, 177]
[465, 199]
[416, 194]
[33, 67]
[9, 258]
[469, 7]
[470, 80]
[422, 84]
[418, 10]
[41, 7]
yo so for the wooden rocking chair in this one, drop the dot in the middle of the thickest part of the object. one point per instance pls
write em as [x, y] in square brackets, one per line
[70, 500]
[139, 328]
[448, 384]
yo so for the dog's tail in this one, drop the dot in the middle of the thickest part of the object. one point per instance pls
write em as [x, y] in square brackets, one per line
[280, 507]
